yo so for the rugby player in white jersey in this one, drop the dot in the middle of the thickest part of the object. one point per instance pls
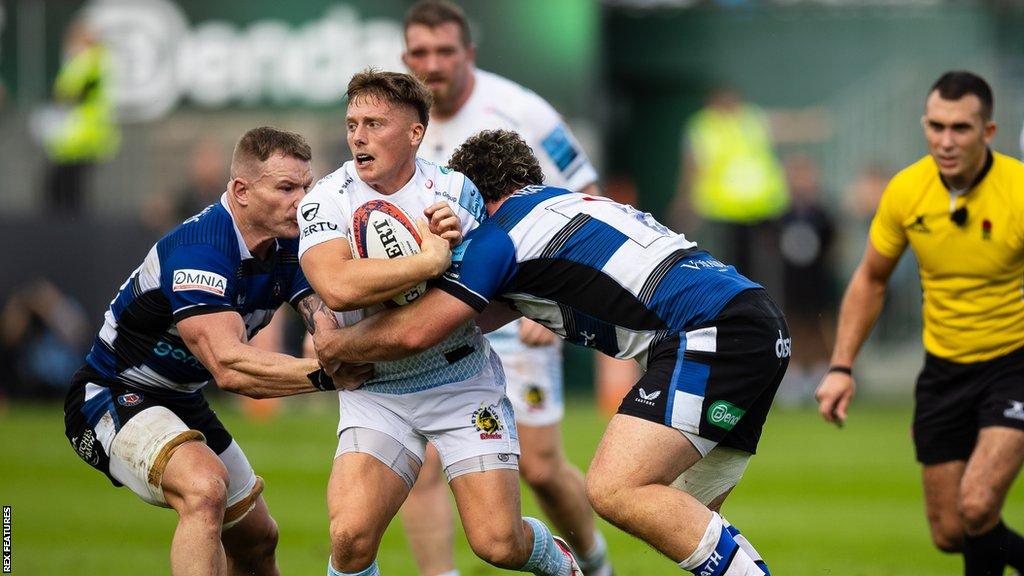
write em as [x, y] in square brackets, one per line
[184, 318]
[440, 52]
[600, 274]
[452, 394]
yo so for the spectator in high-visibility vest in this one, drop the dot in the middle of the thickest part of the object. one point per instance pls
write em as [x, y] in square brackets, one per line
[87, 132]
[731, 180]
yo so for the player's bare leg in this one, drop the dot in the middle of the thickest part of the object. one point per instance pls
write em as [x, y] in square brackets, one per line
[428, 519]
[250, 545]
[195, 484]
[558, 485]
[991, 470]
[941, 493]
[628, 485]
[363, 495]
[491, 514]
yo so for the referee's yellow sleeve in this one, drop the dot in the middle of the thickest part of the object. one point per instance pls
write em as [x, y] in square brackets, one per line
[887, 233]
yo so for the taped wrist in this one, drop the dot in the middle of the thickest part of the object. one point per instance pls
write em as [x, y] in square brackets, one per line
[321, 381]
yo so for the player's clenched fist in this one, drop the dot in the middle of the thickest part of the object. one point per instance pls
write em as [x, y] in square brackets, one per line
[444, 222]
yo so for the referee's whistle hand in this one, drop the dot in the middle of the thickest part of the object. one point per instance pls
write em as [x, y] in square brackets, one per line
[834, 395]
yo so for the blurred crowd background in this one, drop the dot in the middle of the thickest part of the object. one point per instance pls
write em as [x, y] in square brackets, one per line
[765, 130]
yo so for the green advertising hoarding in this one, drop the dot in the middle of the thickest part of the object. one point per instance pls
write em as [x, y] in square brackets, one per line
[215, 55]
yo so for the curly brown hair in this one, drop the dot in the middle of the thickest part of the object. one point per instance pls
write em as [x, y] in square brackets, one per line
[499, 162]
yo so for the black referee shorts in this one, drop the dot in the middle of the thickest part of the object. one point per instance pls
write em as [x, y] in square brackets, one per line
[953, 401]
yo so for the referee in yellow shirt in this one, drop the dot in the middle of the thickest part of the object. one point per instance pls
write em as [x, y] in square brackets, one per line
[961, 210]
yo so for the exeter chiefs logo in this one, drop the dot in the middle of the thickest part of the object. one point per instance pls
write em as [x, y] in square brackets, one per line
[535, 397]
[486, 421]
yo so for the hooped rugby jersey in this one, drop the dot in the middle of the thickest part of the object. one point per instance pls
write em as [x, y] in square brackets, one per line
[597, 273]
[202, 266]
[499, 103]
[326, 214]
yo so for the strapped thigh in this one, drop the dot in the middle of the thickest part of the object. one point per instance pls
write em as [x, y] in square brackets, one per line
[714, 474]
[140, 451]
[389, 451]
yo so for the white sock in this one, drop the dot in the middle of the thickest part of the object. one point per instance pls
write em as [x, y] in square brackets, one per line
[718, 554]
[597, 555]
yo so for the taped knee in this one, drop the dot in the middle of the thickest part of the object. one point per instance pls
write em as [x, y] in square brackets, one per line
[236, 511]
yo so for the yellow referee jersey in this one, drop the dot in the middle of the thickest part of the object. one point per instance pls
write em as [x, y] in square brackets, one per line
[972, 275]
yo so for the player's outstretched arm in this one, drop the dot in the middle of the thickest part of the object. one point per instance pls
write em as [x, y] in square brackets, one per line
[861, 305]
[397, 333]
[345, 283]
[219, 341]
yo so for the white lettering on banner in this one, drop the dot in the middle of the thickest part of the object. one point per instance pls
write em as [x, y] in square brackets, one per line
[158, 58]
[189, 279]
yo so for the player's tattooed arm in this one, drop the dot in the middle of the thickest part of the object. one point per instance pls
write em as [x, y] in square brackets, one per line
[316, 314]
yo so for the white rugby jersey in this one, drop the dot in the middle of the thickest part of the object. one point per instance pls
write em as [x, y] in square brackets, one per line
[499, 103]
[597, 273]
[326, 214]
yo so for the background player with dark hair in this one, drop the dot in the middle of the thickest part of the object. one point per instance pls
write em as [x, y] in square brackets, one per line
[960, 209]
[440, 52]
[183, 318]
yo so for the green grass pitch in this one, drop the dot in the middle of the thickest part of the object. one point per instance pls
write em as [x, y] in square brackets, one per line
[815, 501]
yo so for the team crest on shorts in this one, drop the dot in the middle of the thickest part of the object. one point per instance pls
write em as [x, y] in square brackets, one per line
[487, 423]
[535, 397]
[130, 399]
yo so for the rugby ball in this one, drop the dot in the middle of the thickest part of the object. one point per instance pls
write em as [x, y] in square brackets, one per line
[381, 229]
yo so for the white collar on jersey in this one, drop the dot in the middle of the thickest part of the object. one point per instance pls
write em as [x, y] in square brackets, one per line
[243, 250]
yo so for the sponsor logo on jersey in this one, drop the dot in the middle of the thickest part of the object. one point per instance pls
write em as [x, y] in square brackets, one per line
[1015, 411]
[309, 211]
[446, 195]
[986, 229]
[589, 339]
[783, 346]
[429, 183]
[318, 227]
[724, 414]
[919, 226]
[130, 399]
[189, 279]
[87, 447]
[487, 423]
[344, 185]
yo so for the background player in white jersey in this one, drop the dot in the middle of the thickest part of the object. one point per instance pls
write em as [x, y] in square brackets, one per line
[601, 274]
[452, 394]
[439, 51]
[184, 317]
